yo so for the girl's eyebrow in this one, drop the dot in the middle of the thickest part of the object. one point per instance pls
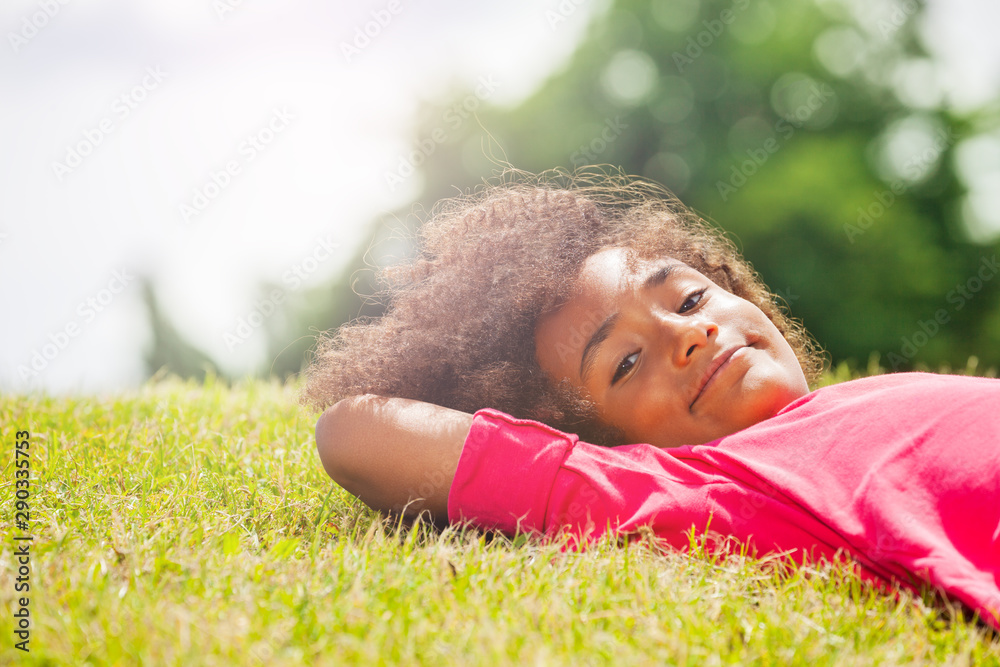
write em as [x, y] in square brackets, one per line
[655, 279]
[590, 349]
[659, 276]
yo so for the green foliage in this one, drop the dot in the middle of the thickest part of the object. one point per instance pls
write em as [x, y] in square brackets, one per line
[787, 123]
[744, 122]
[187, 524]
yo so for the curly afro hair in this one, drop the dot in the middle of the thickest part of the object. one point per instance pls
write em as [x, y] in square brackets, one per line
[460, 320]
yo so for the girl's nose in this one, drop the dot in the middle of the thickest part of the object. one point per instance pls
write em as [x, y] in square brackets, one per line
[691, 335]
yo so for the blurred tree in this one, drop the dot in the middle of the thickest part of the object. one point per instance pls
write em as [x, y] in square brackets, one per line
[353, 294]
[814, 134]
[170, 352]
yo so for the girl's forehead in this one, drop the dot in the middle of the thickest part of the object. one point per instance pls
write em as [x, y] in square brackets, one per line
[612, 271]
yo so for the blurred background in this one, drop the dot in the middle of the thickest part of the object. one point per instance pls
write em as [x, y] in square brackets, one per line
[202, 186]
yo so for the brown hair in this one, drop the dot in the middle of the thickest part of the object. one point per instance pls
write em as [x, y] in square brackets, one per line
[460, 320]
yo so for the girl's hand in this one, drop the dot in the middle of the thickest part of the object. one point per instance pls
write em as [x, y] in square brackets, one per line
[395, 454]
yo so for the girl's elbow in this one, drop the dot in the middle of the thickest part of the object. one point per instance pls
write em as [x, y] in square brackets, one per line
[333, 439]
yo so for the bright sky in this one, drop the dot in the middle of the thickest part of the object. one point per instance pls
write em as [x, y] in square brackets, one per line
[253, 114]
[214, 144]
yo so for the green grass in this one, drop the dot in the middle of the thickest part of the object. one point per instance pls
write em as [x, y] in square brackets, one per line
[186, 524]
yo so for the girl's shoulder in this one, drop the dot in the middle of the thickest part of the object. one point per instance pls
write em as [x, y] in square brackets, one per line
[901, 388]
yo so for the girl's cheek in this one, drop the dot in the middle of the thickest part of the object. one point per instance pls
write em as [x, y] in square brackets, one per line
[750, 316]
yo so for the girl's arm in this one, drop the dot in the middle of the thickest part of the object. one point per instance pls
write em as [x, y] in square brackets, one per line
[395, 454]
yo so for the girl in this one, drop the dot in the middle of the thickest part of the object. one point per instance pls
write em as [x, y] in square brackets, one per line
[537, 319]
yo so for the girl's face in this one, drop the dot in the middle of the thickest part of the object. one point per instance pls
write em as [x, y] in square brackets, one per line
[667, 355]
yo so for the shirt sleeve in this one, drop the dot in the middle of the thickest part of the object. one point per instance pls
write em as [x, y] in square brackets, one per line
[521, 476]
[506, 472]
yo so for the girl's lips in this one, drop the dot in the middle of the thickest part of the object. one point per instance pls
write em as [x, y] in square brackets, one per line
[715, 369]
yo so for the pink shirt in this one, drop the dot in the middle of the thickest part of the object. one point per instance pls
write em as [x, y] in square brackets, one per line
[900, 471]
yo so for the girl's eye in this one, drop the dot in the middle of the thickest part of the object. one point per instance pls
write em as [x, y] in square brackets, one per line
[693, 300]
[624, 367]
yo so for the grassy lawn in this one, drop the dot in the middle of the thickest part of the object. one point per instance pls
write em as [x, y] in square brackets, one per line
[189, 524]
